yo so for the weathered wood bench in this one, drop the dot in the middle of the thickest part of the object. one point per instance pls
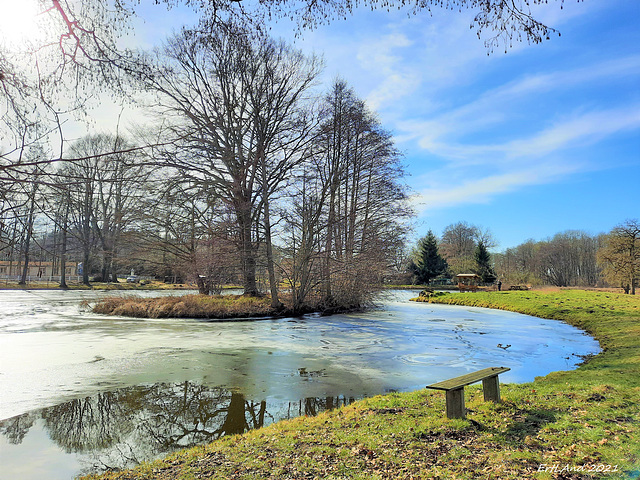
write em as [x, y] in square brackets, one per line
[454, 388]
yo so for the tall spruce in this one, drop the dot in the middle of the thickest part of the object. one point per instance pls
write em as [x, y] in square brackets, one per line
[483, 264]
[428, 263]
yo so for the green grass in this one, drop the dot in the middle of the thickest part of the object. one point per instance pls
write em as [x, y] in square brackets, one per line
[566, 425]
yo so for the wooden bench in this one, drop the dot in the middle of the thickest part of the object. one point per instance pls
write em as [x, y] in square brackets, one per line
[455, 389]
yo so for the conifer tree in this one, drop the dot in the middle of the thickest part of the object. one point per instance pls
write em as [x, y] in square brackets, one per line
[428, 263]
[483, 264]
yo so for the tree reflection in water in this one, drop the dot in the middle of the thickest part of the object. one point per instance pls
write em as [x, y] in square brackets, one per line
[119, 429]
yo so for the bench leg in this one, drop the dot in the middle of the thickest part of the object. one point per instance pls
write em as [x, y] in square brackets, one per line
[455, 403]
[491, 388]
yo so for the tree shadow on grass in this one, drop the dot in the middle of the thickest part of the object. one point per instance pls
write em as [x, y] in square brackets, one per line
[527, 422]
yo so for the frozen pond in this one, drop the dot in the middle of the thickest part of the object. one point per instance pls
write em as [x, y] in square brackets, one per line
[81, 392]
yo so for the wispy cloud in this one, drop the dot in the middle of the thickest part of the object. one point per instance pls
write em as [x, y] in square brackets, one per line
[444, 193]
[479, 173]
[506, 136]
[580, 131]
[564, 79]
[576, 131]
[397, 78]
[495, 105]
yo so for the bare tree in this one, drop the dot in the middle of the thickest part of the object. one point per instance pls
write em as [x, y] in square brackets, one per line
[188, 235]
[566, 259]
[23, 207]
[620, 256]
[28, 232]
[458, 245]
[103, 189]
[234, 101]
[304, 227]
[283, 123]
[352, 207]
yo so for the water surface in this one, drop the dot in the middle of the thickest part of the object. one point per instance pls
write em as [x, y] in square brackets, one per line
[81, 392]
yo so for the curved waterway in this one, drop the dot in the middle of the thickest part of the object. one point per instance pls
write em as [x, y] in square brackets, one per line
[82, 393]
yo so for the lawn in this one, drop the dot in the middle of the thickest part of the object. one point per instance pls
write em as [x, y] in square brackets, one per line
[583, 423]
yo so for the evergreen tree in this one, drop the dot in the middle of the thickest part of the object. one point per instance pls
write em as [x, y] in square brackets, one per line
[428, 263]
[483, 264]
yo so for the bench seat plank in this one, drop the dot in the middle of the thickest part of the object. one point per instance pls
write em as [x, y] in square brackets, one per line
[468, 379]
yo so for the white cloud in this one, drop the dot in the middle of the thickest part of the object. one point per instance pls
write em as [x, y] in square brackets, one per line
[563, 79]
[496, 105]
[479, 173]
[580, 131]
[380, 58]
[479, 137]
[378, 55]
[556, 14]
[484, 188]
[392, 88]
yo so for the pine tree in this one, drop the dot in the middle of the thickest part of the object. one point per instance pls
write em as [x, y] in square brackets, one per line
[483, 264]
[428, 263]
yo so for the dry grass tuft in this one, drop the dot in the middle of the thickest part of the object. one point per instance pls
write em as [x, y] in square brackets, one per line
[186, 306]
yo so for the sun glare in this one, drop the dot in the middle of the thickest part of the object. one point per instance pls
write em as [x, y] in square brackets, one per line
[21, 22]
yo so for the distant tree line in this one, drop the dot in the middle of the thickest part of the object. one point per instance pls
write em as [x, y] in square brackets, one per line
[568, 259]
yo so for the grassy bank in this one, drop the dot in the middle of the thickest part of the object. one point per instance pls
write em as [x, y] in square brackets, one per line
[567, 425]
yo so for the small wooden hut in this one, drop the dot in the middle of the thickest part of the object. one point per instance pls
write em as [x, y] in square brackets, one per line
[468, 282]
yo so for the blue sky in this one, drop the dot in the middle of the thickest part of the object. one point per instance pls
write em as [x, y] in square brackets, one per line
[542, 139]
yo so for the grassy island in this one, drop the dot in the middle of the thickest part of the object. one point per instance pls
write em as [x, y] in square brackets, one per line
[217, 307]
[186, 306]
[578, 424]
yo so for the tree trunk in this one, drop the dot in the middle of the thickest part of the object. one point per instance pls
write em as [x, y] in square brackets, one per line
[85, 267]
[25, 266]
[27, 240]
[273, 286]
[248, 258]
[87, 216]
[632, 256]
[63, 251]
[202, 287]
[331, 221]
